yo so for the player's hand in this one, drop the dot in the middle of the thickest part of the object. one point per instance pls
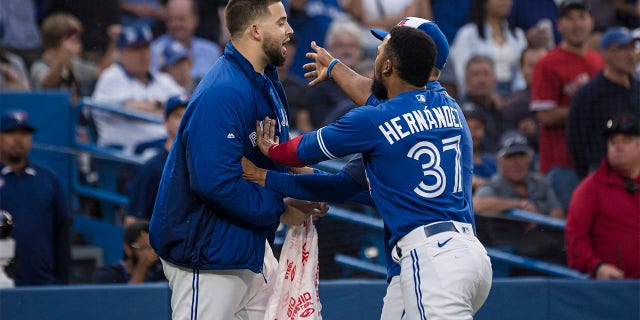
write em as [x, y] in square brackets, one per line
[313, 208]
[293, 216]
[607, 271]
[317, 69]
[266, 132]
[253, 173]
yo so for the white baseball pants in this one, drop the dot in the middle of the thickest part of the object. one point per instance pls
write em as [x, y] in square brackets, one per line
[221, 294]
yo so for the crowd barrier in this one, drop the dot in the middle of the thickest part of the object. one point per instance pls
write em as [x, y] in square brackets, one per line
[510, 299]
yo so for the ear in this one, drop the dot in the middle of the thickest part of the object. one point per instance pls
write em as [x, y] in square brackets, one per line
[387, 68]
[127, 250]
[255, 32]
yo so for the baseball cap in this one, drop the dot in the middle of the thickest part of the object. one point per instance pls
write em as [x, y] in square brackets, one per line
[625, 123]
[134, 35]
[513, 142]
[175, 102]
[568, 5]
[15, 119]
[617, 35]
[431, 29]
[173, 52]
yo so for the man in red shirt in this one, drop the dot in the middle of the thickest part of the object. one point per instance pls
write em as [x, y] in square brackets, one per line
[603, 227]
[556, 78]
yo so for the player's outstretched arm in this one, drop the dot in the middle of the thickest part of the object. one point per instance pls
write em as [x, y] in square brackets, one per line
[356, 86]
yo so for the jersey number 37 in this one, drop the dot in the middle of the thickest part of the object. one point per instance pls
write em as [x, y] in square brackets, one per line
[433, 169]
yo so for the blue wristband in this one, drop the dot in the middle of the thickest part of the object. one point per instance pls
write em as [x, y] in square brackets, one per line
[331, 64]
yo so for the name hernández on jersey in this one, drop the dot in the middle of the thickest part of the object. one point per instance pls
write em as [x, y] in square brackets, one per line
[417, 121]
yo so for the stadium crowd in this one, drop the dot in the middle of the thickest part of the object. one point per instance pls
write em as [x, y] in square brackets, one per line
[550, 90]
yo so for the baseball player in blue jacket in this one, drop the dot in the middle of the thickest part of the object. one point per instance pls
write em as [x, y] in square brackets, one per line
[349, 184]
[411, 146]
[209, 226]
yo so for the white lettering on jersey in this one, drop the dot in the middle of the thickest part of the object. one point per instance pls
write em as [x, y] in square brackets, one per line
[417, 121]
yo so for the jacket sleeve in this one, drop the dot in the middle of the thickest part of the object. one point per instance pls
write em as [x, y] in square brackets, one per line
[582, 211]
[214, 137]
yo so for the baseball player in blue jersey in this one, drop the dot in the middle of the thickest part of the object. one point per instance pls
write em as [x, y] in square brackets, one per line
[348, 184]
[209, 226]
[412, 156]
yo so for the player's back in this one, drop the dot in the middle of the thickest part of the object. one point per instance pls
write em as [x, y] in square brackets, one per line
[416, 168]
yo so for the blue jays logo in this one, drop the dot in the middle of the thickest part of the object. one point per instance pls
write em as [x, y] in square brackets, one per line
[421, 98]
[19, 116]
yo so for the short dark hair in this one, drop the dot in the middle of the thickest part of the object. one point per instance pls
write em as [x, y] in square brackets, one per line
[412, 54]
[133, 231]
[240, 13]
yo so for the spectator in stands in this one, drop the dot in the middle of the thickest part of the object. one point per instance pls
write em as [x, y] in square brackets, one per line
[97, 17]
[22, 37]
[481, 97]
[556, 77]
[140, 264]
[34, 197]
[144, 185]
[516, 112]
[603, 226]
[310, 19]
[61, 66]
[177, 64]
[13, 73]
[182, 20]
[484, 163]
[613, 91]
[344, 41]
[489, 33]
[537, 18]
[516, 187]
[129, 83]
[149, 12]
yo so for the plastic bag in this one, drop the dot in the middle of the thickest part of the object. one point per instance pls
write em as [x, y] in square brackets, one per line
[295, 294]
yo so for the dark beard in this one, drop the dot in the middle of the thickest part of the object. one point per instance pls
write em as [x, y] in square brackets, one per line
[273, 52]
[379, 90]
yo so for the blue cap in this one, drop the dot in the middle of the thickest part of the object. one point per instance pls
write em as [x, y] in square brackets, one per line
[134, 35]
[616, 35]
[431, 29]
[173, 52]
[15, 119]
[513, 142]
[174, 103]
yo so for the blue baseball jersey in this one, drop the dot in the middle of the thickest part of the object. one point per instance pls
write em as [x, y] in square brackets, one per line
[413, 148]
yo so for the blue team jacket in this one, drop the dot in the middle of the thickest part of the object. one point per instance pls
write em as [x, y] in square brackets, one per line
[206, 216]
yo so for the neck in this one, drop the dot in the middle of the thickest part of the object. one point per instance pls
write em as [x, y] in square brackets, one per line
[168, 144]
[252, 52]
[580, 50]
[614, 76]
[398, 86]
[495, 23]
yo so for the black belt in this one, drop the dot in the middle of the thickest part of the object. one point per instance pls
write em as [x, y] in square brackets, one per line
[432, 230]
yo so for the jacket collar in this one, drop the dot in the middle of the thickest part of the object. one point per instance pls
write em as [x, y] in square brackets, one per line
[29, 169]
[232, 53]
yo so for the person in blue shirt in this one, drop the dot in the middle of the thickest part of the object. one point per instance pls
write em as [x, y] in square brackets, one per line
[411, 149]
[140, 264]
[209, 226]
[144, 186]
[32, 194]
